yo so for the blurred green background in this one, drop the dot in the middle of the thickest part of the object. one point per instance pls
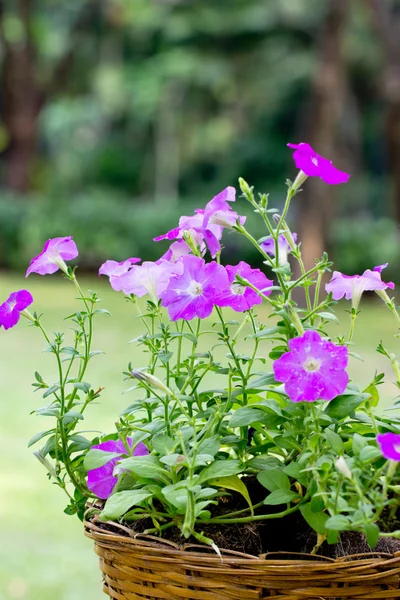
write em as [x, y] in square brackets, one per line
[118, 116]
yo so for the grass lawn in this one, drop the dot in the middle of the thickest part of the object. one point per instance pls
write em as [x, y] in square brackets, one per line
[43, 553]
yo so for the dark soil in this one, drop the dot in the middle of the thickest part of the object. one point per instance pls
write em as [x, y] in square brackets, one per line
[290, 534]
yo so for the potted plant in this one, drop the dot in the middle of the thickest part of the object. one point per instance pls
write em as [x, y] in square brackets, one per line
[245, 442]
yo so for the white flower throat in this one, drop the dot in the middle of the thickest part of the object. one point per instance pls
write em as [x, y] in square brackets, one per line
[311, 365]
[195, 288]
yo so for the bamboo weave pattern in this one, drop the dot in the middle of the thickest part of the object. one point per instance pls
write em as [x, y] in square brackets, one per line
[139, 566]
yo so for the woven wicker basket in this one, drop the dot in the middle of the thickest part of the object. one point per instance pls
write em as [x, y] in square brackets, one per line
[136, 566]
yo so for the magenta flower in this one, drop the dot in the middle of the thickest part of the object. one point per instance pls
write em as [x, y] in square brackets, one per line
[209, 222]
[240, 297]
[314, 369]
[149, 278]
[283, 247]
[314, 165]
[353, 286]
[390, 445]
[101, 481]
[11, 309]
[53, 256]
[114, 270]
[181, 248]
[192, 293]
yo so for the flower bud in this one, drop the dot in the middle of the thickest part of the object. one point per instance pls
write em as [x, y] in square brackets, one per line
[152, 381]
[341, 466]
[51, 470]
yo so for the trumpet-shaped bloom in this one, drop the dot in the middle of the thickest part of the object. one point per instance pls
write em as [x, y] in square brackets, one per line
[101, 481]
[314, 165]
[313, 369]
[11, 309]
[114, 270]
[149, 278]
[352, 286]
[209, 222]
[241, 297]
[192, 293]
[283, 247]
[390, 445]
[53, 256]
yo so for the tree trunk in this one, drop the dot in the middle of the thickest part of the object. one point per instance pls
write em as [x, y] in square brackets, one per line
[20, 101]
[387, 24]
[316, 203]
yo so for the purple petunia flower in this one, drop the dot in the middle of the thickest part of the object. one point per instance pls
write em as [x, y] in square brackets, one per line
[192, 293]
[149, 278]
[283, 247]
[240, 297]
[114, 270]
[390, 445]
[101, 481]
[314, 165]
[11, 309]
[352, 286]
[209, 222]
[314, 369]
[53, 256]
[182, 248]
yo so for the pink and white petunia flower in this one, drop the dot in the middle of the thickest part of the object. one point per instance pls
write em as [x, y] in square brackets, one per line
[114, 270]
[192, 293]
[102, 481]
[313, 165]
[313, 369]
[150, 278]
[352, 287]
[241, 297]
[12, 308]
[53, 256]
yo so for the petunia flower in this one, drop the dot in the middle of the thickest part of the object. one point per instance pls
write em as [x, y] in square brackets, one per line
[101, 481]
[313, 165]
[313, 369]
[284, 248]
[352, 286]
[114, 270]
[241, 297]
[149, 278]
[12, 308]
[209, 222]
[53, 256]
[192, 293]
[390, 445]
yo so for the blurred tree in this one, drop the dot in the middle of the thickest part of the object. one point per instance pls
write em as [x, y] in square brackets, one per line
[324, 112]
[386, 18]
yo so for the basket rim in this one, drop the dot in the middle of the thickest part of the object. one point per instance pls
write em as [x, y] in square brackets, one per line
[117, 535]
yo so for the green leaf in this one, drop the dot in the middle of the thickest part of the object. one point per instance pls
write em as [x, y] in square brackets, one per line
[338, 523]
[51, 390]
[296, 471]
[372, 390]
[273, 480]
[233, 483]
[148, 467]
[83, 386]
[163, 444]
[335, 441]
[371, 531]
[118, 504]
[344, 405]
[316, 520]
[280, 497]
[72, 415]
[370, 453]
[328, 316]
[98, 458]
[221, 468]
[358, 444]
[210, 445]
[246, 416]
[38, 436]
